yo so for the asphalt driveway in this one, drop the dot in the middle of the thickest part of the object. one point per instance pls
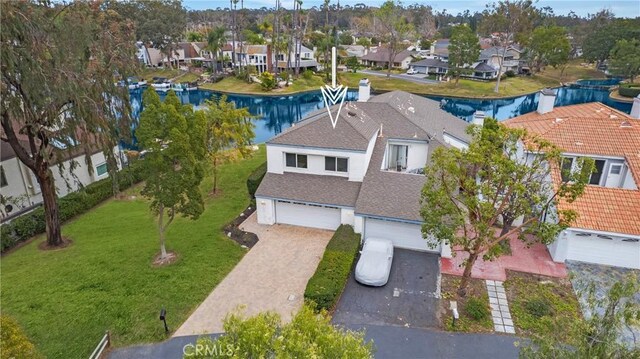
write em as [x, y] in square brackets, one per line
[415, 277]
[272, 276]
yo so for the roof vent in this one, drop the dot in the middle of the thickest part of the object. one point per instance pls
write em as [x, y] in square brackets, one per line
[412, 109]
[625, 124]
[613, 116]
[578, 143]
[558, 119]
[351, 113]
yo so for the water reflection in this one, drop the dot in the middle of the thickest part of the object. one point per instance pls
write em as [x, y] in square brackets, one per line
[276, 113]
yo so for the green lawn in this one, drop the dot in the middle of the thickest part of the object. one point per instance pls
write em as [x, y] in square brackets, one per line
[465, 88]
[575, 70]
[66, 299]
[235, 85]
[149, 73]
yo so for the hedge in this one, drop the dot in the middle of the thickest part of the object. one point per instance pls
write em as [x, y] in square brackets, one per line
[255, 178]
[629, 90]
[326, 285]
[33, 223]
[14, 342]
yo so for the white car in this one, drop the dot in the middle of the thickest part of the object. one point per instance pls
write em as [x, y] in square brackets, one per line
[411, 71]
[374, 265]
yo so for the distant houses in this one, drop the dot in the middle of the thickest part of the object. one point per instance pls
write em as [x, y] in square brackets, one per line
[380, 58]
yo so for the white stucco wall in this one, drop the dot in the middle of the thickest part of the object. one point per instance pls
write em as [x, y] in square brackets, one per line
[315, 161]
[595, 249]
[347, 216]
[358, 224]
[266, 210]
[416, 156]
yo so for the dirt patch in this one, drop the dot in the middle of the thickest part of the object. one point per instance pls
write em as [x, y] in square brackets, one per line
[475, 289]
[539, 303]
[231, 230]
[171, 258]
[66, 242]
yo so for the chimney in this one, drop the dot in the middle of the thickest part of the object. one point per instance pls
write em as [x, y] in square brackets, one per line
[546, 101]
[432, 49]
[635, 108]
[364, 90]
[478, 118]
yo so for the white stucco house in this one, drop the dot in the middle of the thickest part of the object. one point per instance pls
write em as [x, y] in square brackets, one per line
[19, 186]
[365, 172]
[607, 230]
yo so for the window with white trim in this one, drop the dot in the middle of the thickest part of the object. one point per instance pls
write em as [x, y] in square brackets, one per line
[295, 160]
[336, 164]
[101, 169]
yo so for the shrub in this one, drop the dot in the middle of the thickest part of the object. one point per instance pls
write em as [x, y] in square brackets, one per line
[267, 81]
[75, 203]
[14, 342]
[326, 285]
[510, 73]
[307, 74]
[629, 90]
[537, 307]
[255, 178]
[477, 309]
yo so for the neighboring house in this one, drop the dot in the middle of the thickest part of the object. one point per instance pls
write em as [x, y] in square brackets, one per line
[365, 172]
[493, 57]
[354, 50]
[430, 66]
[483, 71]
[306, 56]
[380, 58]
[257, 56]
[607, 229]
[439, 50]
[20, 187]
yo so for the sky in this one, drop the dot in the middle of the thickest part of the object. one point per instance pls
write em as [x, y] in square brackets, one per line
[621, 8]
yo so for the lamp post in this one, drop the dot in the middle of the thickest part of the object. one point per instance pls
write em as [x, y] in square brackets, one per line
[163, 317]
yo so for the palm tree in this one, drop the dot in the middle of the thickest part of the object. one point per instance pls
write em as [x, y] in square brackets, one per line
[215, 42]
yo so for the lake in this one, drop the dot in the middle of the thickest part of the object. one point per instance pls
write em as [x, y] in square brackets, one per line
[276, 113]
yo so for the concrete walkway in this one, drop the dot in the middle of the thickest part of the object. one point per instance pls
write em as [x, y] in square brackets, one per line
[271, 276]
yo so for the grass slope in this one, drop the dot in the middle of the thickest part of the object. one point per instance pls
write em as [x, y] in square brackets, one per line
[235, 85]
[66, 299]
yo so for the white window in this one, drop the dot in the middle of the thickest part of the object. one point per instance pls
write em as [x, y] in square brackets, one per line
[336, 164]
[101, 169]
[397, 159]
[296, 160]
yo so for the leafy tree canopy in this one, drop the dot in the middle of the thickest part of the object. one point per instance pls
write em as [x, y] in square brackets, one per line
[625, 59]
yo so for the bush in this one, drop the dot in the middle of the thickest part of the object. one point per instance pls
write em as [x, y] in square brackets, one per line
[14, 342]
[75, 203]
[477, 309]
[307, 74]
[255, 178]
[629, 90]
[510, 73]
[538, 307]
[267, 81]
[326, 285]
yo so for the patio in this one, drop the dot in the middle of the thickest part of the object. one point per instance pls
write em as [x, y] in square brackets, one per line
[534, 260]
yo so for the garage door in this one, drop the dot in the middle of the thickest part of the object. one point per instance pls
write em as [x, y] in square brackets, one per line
[307, 215]
[602, 250]
[403, 235]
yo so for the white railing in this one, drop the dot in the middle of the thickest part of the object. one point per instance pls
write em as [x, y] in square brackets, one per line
[102, 346]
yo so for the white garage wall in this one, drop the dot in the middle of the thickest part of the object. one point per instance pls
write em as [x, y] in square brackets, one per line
[402, 234]
[266, 211]
[307, 215]
[593, 249]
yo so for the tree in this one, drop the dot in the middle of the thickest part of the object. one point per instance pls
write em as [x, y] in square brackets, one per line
[394, 27]
[193, 36]
[511, 21]
[425, 43]
[464, 49]
[602, 34]
[625, 59]
[353, 64]
[174, 137]
[549, 46]
[364, 41]
[308, 335]
[58, 92]
[467, 191]
[346, 38]
[160, 23]
[215, 42]
[598, 335]
[229, 133]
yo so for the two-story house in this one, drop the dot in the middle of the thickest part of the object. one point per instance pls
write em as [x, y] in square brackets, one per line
[305, 55]
[366, 172]
[607, 229]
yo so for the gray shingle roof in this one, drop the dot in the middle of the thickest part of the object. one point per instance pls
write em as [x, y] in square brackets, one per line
[382, 55]
[482, 67]
[431, 63]
[331, 190]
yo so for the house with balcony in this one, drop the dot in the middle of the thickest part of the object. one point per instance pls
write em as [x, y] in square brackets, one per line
[366, 172]
[607, 229]
[496, 56]
[305, 56]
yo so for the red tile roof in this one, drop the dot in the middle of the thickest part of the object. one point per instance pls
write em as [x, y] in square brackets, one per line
[593, 129]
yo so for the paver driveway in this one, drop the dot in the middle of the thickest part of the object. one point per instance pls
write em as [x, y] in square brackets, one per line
[278, 266]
